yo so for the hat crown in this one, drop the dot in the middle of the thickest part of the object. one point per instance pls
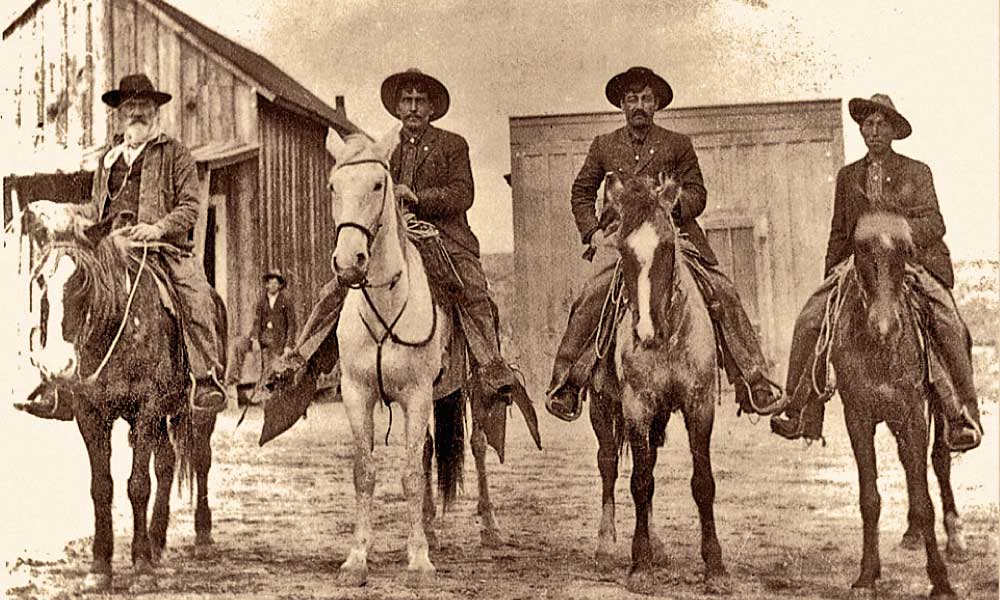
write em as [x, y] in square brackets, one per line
[883, 100]
[137, 82]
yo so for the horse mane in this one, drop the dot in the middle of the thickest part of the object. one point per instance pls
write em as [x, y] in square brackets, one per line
[103, 282]
[638, 204]
[889, 230]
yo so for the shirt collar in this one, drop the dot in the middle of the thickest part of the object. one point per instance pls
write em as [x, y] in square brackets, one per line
[406, 139]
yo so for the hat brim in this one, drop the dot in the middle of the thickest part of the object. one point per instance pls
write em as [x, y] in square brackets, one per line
[436, 91]
[860, 108]
[615, 90]
[115, 98]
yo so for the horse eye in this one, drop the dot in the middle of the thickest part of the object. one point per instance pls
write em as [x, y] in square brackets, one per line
[378, 186]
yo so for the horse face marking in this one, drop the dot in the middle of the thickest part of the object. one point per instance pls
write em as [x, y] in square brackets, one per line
[643, 243]
[51, 351]
[883, 242]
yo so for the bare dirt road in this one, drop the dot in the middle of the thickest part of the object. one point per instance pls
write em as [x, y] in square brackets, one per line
[787, 517]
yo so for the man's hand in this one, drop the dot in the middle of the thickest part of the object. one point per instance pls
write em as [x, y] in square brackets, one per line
[404, 193]
[145, 232]
[288, 350]
[600, 240]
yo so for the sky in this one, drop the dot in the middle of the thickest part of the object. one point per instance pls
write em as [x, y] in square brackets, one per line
[937, 60]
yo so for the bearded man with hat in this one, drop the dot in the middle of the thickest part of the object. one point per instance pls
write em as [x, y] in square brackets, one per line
[432, 176]
[273, 328]
[644, 149]
[884, 180]
[146, 184]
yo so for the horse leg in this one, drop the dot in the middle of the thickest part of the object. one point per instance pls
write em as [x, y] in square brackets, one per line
[201, 459]
[642, 488]
[604, 414]
[417, 409]
[97, 437]
[861, 430]
[138, 495]
[164, 465]
[432, 539]
[911, 440]
[957, 549]
[354, 570]
[699, 423]
[489, 533]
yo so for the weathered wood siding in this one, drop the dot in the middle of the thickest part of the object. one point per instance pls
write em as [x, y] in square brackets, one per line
[769, 170]
[295, 227]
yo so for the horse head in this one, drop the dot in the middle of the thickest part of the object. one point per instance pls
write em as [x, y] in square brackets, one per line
[883, 244]
[363, 201]
[647, 242]
[73, 291]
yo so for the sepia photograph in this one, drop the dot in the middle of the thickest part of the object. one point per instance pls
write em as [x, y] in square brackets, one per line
[568, 299]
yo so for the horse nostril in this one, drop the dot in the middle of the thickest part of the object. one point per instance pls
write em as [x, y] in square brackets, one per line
[360, 259]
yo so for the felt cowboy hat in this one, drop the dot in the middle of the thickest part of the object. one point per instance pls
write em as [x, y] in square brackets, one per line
[860, 108]
[135, 86]
[436, 91]
[274, 274]
[620, 84]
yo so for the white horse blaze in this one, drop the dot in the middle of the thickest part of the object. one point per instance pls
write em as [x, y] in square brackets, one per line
[58, 357]
[643, 242]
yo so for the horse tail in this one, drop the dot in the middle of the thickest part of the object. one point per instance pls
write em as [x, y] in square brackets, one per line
[449, 445]
[182, 437]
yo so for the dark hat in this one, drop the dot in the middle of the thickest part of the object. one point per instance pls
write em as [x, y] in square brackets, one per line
[861, 108]
[620, 84]
[274, 274]
[135, 86]
[436, 91]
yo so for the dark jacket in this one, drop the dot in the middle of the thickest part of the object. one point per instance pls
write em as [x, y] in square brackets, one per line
[664, 151]
[168, 190]
[274, 327]
[908, 190]
[443, 184]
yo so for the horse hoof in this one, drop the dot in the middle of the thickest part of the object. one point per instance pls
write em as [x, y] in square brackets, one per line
[433, 542]
[863, 593]
[155, 556]
[943, 594]
[641, 582]
[605, 561]
[353, 577]
[490, 538]
[912, 541]
[419, 578]
[718, 583]
[96, 582]
[203, 551]
[143, 583]
[957, 554]
[203, 539]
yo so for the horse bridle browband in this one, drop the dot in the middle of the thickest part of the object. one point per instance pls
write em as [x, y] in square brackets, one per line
[369, 233]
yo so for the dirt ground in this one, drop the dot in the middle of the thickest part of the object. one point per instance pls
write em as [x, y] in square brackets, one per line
[787, 517]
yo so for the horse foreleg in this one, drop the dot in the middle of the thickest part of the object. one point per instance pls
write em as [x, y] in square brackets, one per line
[97, 436]
[354, 570]
[138, 495]
[642, 487]
[202, 463]
[417, 409]
[957, 549]
[164, 464]
[489, 533]
[432, 539]
[699, 427]
[605, 418]
[861, 430]
[911, 440]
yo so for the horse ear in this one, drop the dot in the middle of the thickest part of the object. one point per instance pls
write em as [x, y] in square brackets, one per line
[334, 143]
[384, 147]
[613, 188]
[668, 192]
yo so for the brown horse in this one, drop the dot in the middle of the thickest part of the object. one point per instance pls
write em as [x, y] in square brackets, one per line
[107, 344]
[879, 359]
[664, 361]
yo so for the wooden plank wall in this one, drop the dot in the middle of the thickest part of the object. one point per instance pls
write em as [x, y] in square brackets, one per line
[69, 52]
[295, 226]
[769, 170]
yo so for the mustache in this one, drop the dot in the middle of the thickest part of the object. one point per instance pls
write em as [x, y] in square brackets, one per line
[639, 111]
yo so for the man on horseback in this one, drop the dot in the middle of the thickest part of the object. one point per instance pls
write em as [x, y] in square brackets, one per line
[432, 176]
[642, 148]
[147, 181]
[886, 181]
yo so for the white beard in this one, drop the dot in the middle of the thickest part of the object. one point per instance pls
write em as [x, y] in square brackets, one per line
[137, 133]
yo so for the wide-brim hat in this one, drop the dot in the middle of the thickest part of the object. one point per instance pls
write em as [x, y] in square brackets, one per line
[619, 84]
[860, 108]
[274, 274]
[436, 92]
[135, 86]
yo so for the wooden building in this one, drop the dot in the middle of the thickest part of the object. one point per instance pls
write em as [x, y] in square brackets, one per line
[257, 135]
[769, 169]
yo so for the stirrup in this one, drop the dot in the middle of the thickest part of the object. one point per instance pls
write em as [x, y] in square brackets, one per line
[780, 400]
[564, 416]
[975, 428]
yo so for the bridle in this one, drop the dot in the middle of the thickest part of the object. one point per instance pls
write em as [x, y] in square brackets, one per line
[370, 232]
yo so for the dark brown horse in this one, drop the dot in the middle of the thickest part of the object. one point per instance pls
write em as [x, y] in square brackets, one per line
[106, 342]
[664, 361]
[878, 356]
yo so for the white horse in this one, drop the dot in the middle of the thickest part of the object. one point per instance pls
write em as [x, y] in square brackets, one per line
[391, 336]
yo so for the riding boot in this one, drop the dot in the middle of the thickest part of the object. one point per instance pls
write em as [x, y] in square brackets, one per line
[803, 417]
[48, 402]
[209, 396]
